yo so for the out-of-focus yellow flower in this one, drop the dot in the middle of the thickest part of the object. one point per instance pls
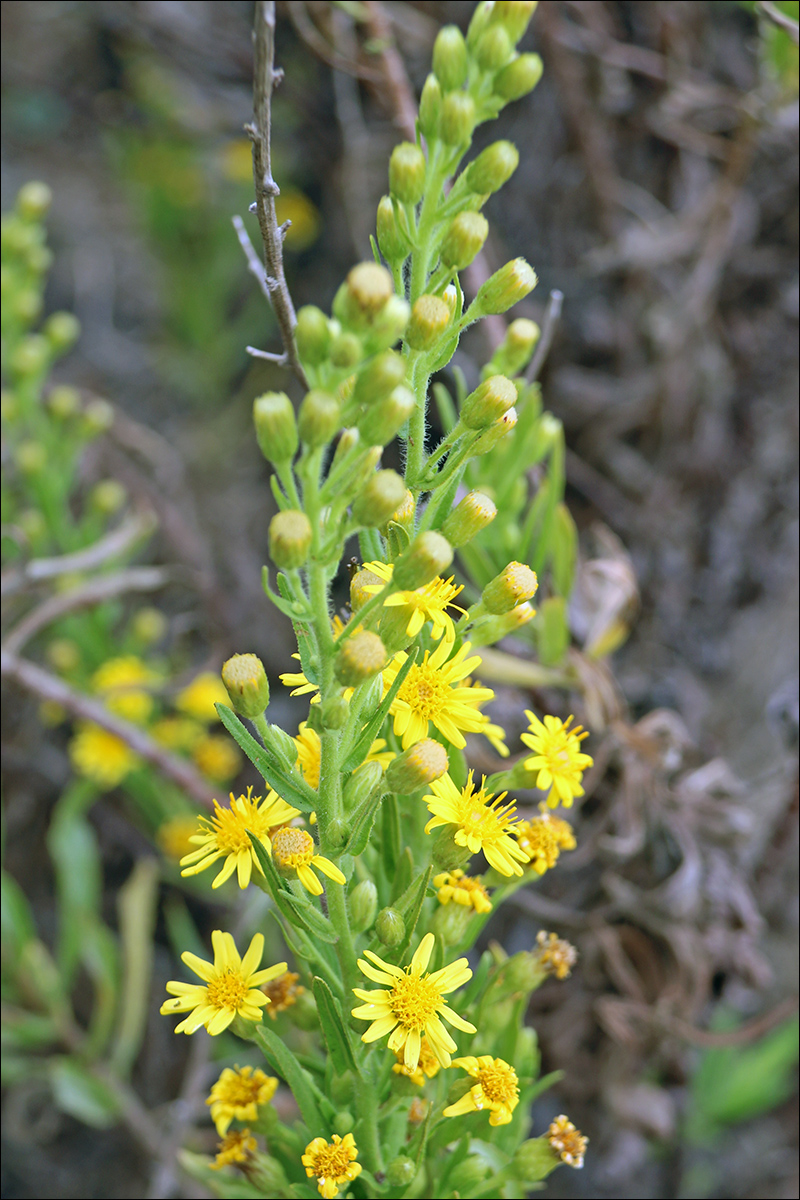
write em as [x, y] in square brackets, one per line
[236, 1147]
[217, 757]
[462, 889]
[177, 733]
[122, 682]
[174, 836]
[101, 756]
[199, 697]
[496, 1090]
[282, 993]
[555, 954]
[237, 1094]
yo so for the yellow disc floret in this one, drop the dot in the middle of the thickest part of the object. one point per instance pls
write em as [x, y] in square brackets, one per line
[295, 852]
[236, 1147]
[462, 889]
[331, 1163]
[567, 1141]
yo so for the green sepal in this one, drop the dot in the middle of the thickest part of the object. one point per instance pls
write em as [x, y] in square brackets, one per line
[362, 821]
[291, 788]
[376, 254]
[303, 1089]
[370, 730]
[334, 1030]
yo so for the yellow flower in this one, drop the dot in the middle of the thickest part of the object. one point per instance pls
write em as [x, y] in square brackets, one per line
[294, 850]
[428, 603]
[496, 1090]
[122, 683]
[567, 1141]
[177, 733]
[217, 757]
[558, 759]
[302, 686]
[428, 1065]
[413, 1005]
[199, 697]
[543, 838]
[331, 1163]
[282, 993]
[101, 756]
[428, 693]
[309, 754]
[462, 889]
[237, 1147]
[237, 1094]
[230, 986]
[556, 955]
[174, 836]
[224, 834]
[481, 823]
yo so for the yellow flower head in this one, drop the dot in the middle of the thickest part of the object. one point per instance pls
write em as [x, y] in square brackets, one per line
[282, 993]
[199, 697]
[174, 836]
[462, 889]
[567, 1141]
[427, 1067]
[431, 692]
[309, 754]
[295, 852]
[224, 835]
[230, 988]
[332, 1163]
[496, 1090]
[482, 822]
[558, 760]
[556, 955]
[301, 686]
[237, 1094]
[236, 1147]
[428, 603]
[413, 1004]
[177, 733]
[217, 757]
[101, 756]
[122, 682]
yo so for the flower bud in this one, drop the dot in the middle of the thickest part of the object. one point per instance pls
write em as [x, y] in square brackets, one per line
[458, 118]
[31, 457]
[26, 305]
[361, 784]
[393, 244]
[108, 496]
[345, 350]
[493, 49]
[468, 1175]
[450, 923]
[379, 377]
[384, 492]
[365, 291]
[360, 657]
[518, 78]
[62, 330]
[246, 684]
[319, 418]
[390, 325]
[33, 200]
[358, 584]
[495, 433]
[364, 471]
[64, 401]
[390, 927]
[149, 625]
[266, 1175]
[289, 538]
[312, 334]
[514, 16]
[478, 22]
[31, 356]
[40, 259]
[400, 1172]
[407, 173]
[429, 555]
[450, 297]
[487, 632]
[417, 767]
[492, 168]
[383, 420]
[534, 1160]
[98, 417]
[490, 401]
[430, 108]
[447, 854]
[468, 518]
[514, 353]
[464, 240]
[276, 428]
[505, 288]
[515, 584]
[343, 1123]
[430, 316]
[363, 905]
[402, 515]
[450, 58]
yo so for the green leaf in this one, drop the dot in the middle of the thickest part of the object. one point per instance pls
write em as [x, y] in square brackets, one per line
[137, 914]
[565, 551]
[334, 1029]
[300, 1082]
[362, 821]
[447, 410]
[410, 906]
[737, 1083]
[82, 1095]
[390, 834]
[291, 608]
[17, 919]
[316, 924]
[73, 848]
[552, 631]
[291, 788]
[370, 730]
[403, 875]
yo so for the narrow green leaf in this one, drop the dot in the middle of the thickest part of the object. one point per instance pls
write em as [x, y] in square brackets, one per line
[362, 821]
[137, 914]
[17, 919]
[303, 1090]
[80, 1094]
[412, 910]
[552, 631]
[291, 608]
[390, 835]
[447, 410]
[403, 875]
[316, 924]
[334, 1029]
[565, 551]
[73, 848]
[291, 788]
[370, 730]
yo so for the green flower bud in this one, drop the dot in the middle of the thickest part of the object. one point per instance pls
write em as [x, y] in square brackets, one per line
[312, 334]
[478, 22]
[514, 16]
[490, 401]
[319, 418]
[430, 316]
[149, 625]
[363, 905]
[64, 401]
[347, 442]
[393, 627]
[403, 516]
[9, 408]
[486, 633]
[382, 495]
[407, 173]
[364, 472]
[39, 259]
[493, 167]
[343, 1123]
[390, 927]
[337, 835]
[495, 433]
[62, 330]
[362, 783]
[429, 555]
[266, 1175]
[345, 350]
[359, 581]
[108, 496]
[289, 538]
[514, 353]
[379, 377]
[450, 922]
[400, 1172]
[468, 518]
[430, 108]
[390, 324]
[247, 685]
[26, 305]
[447, 854]
[493, 49]
[276, 428]
[521, 973]
[505, 288]
[362, 296]
[64, 654]
[515, 584]
[468, 1175]
[31, 457]
[450, 58]
[33, 200]
[417, 767]
[518, 78]
[360, 657]
[458, 118]
[393, 244]
[534, 1160]
[341, 1088]
[98, 417]
[31, 356]
[333, 712]
[383, 420]
[303, 1013]
[464, 240]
